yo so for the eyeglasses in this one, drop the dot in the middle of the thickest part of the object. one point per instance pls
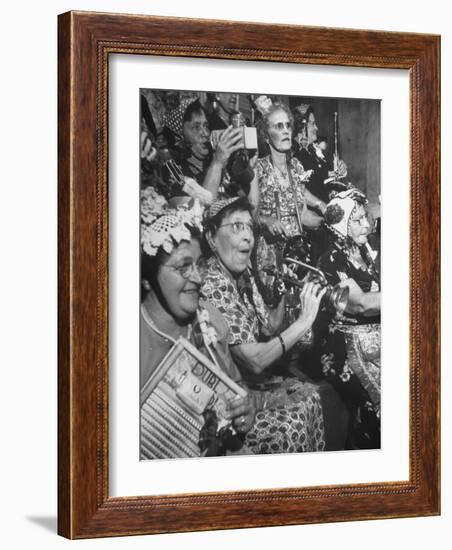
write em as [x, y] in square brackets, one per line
[199, 127]
[239, 227]
[186, 270]
[282, 125]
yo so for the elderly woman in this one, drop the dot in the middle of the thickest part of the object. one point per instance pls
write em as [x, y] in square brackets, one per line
[255, 339]
[283, 197]
[195, 155]
[310, 150]
[173, 320]
[326, 171]
[351, 356]
[192, 397]
[282, 178]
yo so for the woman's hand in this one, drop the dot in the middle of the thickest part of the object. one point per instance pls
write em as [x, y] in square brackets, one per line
[253, 160]
[147, 150]
[273, 225]
[311, 219]
[306, 176]
[242, 410]
[229, 142]
[321, 206]
[310, 298]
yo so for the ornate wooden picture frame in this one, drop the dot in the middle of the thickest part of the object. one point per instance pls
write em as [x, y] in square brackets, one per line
[86, 40]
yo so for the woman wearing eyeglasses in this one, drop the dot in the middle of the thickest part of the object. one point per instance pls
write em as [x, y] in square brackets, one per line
[177, 417]
[351, 347]
[282, 173]
[255, 337]
[283, 197]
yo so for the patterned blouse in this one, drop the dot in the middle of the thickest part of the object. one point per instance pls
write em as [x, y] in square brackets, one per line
[270, 181]
[338, 265]
[240, 303]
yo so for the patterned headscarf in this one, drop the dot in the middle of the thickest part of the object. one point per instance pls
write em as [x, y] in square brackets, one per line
[174, 119]
[341, 208]
[218, 206]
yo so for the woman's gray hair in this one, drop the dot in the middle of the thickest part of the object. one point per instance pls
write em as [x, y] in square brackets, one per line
[263, 124]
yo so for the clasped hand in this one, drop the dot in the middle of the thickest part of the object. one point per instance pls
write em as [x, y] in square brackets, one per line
[242, 411]
[274, 226]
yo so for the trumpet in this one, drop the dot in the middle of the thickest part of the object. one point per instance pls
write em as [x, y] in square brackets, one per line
[287, 279]
[335, 298]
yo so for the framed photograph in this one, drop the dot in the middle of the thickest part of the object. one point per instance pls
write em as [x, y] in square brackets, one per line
[227, 356]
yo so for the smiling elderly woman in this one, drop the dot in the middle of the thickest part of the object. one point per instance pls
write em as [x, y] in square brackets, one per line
[173, 320]
[255, 341]
[181, 336]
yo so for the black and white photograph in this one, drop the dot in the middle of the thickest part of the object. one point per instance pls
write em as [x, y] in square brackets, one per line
[192, 203]
[260, 274]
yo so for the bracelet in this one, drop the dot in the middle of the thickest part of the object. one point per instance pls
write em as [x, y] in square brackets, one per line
[283, 345]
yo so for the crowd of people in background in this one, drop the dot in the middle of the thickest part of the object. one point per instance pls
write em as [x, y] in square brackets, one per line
[250, 227]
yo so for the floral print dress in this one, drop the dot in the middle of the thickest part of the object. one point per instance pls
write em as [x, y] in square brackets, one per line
[351, 347]
[290, 415]
[272, 185]
[277, 197]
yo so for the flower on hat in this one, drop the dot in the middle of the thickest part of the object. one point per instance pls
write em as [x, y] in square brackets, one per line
[163, 233]
[340, 209]
[263, 104]
[163, 227]
[153, 205]
[334, 213]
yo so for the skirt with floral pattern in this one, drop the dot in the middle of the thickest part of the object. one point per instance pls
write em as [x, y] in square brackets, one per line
[295, 428]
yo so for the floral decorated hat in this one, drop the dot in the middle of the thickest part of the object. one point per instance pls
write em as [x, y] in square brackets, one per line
[263, 104]
[164, 227]
[341, 208]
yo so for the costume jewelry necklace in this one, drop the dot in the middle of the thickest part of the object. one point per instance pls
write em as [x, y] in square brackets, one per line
[280, 176]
